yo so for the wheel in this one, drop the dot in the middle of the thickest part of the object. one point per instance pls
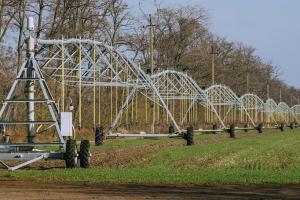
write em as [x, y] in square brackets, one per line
[171, 129]
[84, 154]
[99, 136]
[246, 128]
[71, 154]
[281, 127]
[292, 125]
[214, 127]
[190, 136]
[231, 131]
[259, 128]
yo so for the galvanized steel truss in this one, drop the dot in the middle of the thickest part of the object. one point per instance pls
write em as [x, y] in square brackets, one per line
[91, 63]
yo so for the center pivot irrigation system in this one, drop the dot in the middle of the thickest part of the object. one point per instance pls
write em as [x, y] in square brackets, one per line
[167, 97]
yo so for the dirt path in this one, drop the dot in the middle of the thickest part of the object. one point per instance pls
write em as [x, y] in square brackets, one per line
[15, 190]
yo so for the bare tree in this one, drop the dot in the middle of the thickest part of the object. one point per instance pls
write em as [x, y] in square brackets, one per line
[7, 14]
[118, 21]
[20, 23]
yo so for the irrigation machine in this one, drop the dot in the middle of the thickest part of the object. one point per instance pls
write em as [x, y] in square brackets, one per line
[30, 108]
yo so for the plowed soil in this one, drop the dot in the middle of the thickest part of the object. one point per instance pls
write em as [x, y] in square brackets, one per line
[18, 190]
[114, 157]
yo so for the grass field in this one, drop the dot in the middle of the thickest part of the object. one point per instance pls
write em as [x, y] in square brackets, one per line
[251, 158]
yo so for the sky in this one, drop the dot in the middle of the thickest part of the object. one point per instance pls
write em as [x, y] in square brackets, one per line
[272, 27]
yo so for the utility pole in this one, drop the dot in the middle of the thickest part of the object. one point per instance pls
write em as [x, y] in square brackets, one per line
[247, 80]
[268, 91]
[213, 53]
[151, 62]
[151, 49]
[280, 99]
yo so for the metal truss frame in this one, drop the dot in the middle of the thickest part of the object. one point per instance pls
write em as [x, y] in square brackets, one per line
[82, 62]
[220, 95]
[174, 85]
[251, 102]
[283, 111]
[295, 113]
[92, 63]
[271, 110]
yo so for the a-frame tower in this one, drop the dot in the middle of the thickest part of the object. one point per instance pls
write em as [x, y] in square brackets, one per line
[31, 75]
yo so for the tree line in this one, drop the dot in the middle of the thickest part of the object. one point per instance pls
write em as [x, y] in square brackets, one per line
[182, 41]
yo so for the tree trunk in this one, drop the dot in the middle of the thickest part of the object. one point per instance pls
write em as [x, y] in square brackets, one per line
[21, 29]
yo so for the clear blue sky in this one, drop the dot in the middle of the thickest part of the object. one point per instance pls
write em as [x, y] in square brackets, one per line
[272, 27]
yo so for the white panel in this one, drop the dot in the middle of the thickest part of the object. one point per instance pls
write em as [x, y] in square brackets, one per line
[30, 23]
[66, 123]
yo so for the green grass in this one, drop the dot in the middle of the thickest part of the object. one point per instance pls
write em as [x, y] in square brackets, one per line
[250, 159]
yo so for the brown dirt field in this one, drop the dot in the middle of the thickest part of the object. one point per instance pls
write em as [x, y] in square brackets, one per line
[113, 157]
[20, 190]
[128, 156]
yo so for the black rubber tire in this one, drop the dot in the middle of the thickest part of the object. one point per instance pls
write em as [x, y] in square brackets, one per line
[171, 129]
[190, 136]
[259, 128]
[71, 154]
[246, 128]
[99, 136]
[84, 154]
[292, 126]
[214, 127]
[231, 131]
[281, 127]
